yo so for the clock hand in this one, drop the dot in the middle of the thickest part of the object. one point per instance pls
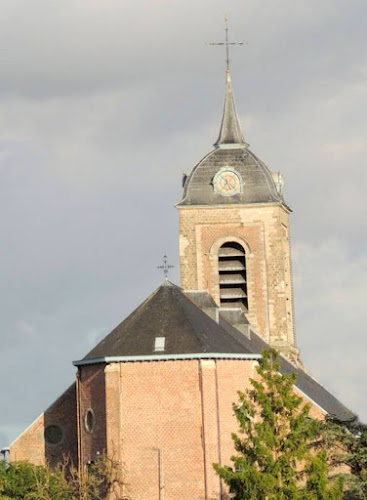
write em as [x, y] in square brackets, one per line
[226, 183]
[222, 182]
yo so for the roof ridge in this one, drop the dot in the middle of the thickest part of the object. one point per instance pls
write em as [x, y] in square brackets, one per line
[209, 319]
[193, 325]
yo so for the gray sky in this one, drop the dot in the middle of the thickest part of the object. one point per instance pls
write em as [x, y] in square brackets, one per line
[103, 104]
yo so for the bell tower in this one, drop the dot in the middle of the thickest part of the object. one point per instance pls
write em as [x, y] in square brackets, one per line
[234, 234]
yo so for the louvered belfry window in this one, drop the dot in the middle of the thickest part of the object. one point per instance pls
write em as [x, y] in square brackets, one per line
[232, 276]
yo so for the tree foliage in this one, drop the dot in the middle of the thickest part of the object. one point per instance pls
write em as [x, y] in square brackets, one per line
[275, 458]
[25, 481]
[346, 443]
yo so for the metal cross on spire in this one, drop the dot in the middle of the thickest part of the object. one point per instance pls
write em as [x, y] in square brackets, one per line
[227, 43]
[166, 267]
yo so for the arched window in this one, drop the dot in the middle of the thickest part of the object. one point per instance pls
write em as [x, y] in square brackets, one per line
[232, 275]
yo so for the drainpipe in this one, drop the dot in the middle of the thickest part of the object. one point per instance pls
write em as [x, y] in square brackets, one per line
[160, 473]
[78, 423]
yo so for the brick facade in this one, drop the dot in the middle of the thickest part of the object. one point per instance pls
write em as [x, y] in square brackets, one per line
[263, 231]
[32, 446]
[166, 421]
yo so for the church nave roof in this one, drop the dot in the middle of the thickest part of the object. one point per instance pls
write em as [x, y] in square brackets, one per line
[185, 322]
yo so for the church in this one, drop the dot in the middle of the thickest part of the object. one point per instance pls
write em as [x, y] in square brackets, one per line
[156, 393]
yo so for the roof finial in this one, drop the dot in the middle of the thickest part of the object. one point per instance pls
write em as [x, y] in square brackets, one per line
[230, 135]
[166, 267]
[227, 43]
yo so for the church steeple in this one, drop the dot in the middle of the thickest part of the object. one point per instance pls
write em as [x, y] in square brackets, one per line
[234, 232]
[230, 135]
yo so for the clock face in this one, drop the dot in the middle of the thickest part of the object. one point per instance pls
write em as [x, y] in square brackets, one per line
[227, 183]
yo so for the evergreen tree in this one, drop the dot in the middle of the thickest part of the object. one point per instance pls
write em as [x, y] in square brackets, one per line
[346, 443]
[274, 459]
[318, 485]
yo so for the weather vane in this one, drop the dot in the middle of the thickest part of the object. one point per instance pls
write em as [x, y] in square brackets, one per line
[227, 43]
[166, 267]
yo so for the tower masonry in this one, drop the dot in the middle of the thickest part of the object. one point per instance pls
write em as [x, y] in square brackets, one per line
[234, 235]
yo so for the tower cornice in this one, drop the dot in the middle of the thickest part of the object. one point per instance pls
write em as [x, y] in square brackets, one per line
[237, 206]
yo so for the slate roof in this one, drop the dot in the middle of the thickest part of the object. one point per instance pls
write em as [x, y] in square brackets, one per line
[230, 129]
[169, 313]
[307, 384]
[257, 184]
[166, 313]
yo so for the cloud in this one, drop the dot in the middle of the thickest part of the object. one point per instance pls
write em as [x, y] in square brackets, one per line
[331, 290]
[4, 440]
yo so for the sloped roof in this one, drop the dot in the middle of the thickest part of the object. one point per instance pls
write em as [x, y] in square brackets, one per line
[307, 384]
[188, 330]
[166, 313]
[230, 129]
[257, 182]
[231, 151]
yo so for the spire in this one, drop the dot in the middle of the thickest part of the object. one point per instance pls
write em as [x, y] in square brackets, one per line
[230, 134]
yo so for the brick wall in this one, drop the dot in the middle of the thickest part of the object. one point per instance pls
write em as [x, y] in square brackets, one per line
[31, 445]
[161, 429]
[166, 421]
[264, 233]
[92, 396]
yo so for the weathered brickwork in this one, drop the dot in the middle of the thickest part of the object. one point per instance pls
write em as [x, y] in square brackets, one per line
[264, 233]
[166, 421]
[92, 396]
[162, 429]
[232, 377]
[31, 445]
[210, 425]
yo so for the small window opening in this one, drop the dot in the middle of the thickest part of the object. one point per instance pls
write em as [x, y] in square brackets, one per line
[89, 421]
[232, 276]
[53, 434]
[159, 344]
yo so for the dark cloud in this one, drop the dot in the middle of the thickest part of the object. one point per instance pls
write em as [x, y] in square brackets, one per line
[4, 440]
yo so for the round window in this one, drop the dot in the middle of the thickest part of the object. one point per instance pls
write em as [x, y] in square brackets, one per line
[53, 434]
[89, 420]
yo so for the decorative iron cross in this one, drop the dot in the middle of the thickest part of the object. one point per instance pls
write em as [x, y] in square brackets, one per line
[227, 43]
[165, 266]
